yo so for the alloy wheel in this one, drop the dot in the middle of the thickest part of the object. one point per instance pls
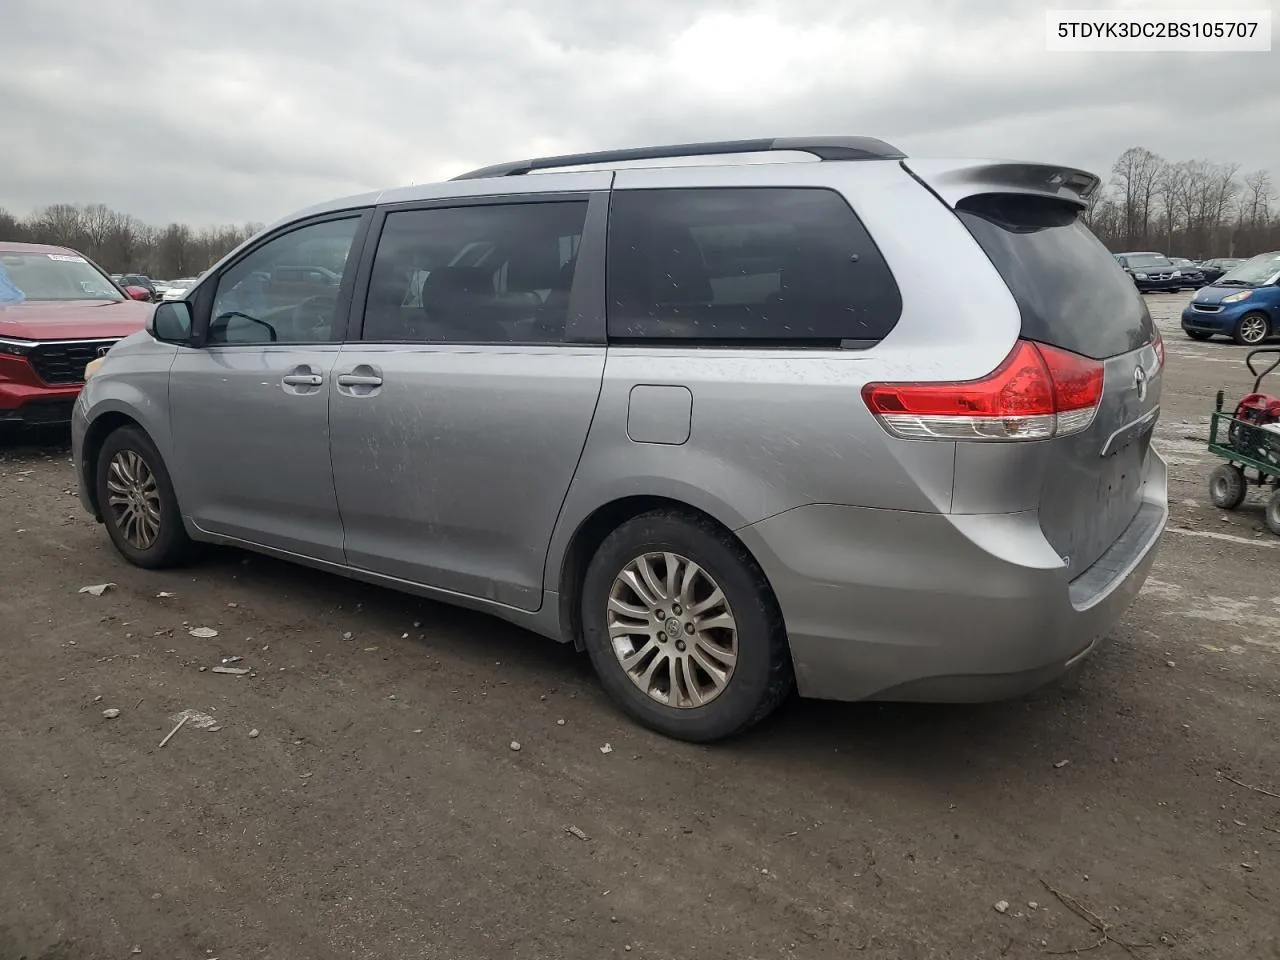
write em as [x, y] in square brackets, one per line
[1253, 329]
[133, 499]
[672, 630]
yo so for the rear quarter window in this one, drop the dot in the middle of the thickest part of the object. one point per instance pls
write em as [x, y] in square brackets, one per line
[771, 265]
[1068, 287]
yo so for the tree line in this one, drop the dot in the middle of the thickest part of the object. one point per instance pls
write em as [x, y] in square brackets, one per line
[1189, 208]
[121, 243]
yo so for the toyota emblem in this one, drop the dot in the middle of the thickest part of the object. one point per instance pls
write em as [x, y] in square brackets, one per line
[1140, 381]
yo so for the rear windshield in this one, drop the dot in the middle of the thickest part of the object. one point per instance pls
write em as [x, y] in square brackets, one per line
[1070, 290]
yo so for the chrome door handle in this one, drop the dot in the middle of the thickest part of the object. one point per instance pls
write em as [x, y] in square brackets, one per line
[303, 380]
[358, 380]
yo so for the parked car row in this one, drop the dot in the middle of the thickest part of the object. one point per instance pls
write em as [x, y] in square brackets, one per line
[140, 287]
[1152, 271]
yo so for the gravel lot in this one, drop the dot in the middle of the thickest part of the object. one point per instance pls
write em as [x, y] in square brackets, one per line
[381, 812]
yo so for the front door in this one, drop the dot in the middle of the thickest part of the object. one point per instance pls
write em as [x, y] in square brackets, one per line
[459, 417]
[250, 410]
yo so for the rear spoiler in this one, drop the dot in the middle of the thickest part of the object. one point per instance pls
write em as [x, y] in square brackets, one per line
[954, 180]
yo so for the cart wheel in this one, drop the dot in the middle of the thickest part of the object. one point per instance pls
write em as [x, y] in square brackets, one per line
[1272, 515]
[1227, 486]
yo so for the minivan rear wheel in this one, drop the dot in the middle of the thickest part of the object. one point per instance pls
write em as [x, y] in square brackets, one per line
[1251, 329]
[137, 502]
[683, 629]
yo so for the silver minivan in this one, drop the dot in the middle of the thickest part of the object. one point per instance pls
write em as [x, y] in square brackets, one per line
[734, 418]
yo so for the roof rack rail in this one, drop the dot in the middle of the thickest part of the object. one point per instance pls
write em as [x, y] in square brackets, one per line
[824, 148]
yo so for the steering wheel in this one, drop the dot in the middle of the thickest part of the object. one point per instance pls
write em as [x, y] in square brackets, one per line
[314, 314]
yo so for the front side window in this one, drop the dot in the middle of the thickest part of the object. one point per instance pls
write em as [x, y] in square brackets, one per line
[785, 265]
[498, 273]
[285, 291]
[57, 276]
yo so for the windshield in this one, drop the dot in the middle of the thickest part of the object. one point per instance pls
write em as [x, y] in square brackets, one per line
[1260, 270]
[1147, 260]
[57, 276]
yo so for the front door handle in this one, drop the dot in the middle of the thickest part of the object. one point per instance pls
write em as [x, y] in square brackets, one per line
[359, 380]
[302, 381]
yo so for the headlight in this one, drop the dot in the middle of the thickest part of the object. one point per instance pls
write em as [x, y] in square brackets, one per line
[14, 348]
[1177, 273]
[1237, 297]
[1141, 276]
[92, 367]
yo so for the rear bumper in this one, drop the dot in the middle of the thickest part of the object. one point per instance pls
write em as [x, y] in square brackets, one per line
[913, 606]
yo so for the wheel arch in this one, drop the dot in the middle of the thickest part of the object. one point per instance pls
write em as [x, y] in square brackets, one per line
[101, 427]
[592, 530]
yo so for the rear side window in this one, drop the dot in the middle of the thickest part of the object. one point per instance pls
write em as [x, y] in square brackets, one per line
[762, 265]
[1070, 290]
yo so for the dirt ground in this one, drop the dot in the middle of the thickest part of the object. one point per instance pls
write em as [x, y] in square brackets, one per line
[381, 812]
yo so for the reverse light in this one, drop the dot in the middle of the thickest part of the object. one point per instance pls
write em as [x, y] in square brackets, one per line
[1037, 392]
[91, 367]
[1237, 297]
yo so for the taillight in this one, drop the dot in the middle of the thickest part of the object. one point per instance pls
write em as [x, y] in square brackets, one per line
[1158, 343]
[1038, 392]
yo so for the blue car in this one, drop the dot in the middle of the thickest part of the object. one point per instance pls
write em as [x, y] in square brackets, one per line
[1244, 304]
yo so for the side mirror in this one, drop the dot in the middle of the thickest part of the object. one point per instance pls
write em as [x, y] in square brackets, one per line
[171, 322]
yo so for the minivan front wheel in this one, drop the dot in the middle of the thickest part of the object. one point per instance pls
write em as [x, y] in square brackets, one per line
[137, 502]
[1251, 329]
[683, 629]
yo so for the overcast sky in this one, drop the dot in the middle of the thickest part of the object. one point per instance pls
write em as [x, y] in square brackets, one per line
[236, 110]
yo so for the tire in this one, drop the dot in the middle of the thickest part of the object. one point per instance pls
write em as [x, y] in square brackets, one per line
[1198, 334]
[761, 673]
[1227, 487]
[1272, 515]
[169, 545]
[1251, 329]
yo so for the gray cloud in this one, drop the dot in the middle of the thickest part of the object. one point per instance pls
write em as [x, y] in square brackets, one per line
[241, 110]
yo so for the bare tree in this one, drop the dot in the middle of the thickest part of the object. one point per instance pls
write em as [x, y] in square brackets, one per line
[1136, 173]
[1258, 197]
[1169, 186]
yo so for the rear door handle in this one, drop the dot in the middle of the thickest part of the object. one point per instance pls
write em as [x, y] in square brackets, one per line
[303, 380]
[358, 380]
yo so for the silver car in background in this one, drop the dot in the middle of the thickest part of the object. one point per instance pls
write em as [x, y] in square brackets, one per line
[833, 419]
